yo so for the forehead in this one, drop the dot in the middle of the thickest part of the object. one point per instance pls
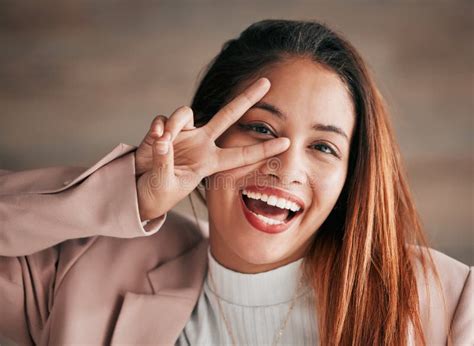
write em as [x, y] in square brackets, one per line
[307, 91]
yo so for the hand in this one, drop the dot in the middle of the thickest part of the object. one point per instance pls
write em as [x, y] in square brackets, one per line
[144, 153]
[183, 155]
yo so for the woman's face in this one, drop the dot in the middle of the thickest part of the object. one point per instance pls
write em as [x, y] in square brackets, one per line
[311, 106]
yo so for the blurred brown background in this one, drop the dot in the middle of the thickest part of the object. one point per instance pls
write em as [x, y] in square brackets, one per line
[79, 77]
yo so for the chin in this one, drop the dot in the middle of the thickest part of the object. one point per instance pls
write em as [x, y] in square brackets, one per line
[262, 252]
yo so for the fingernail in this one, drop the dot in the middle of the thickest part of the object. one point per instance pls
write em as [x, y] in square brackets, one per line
[159, 129]
[162, 147]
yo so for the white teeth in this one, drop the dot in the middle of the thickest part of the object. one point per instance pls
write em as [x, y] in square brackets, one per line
[294, 207]
[273, 200]
[281, 203]
[267, 220]
[288, 205]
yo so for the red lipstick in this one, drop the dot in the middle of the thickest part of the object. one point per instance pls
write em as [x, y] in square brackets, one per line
[261, 225]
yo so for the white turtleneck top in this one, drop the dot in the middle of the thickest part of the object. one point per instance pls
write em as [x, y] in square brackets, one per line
[255, 305]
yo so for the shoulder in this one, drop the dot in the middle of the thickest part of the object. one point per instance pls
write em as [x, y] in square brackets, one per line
[452, 273]
[177, 236]
[449, 301]
[448, 267]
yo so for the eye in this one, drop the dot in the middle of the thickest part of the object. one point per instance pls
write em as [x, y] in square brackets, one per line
[325, 149]
[259, 128]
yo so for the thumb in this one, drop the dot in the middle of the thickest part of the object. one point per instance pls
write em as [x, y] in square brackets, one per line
[163, 159]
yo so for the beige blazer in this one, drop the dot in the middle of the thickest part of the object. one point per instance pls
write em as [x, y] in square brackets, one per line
[76, 265]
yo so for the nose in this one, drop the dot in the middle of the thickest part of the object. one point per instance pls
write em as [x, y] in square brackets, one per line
[288, 167]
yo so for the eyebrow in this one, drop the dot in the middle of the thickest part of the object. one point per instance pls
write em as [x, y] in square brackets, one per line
[318, 127]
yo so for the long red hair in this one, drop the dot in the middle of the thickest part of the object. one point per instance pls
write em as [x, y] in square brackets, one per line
[361, 263]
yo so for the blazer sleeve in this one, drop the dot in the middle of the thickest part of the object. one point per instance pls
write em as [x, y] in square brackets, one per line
[462, 327]
[43, 207]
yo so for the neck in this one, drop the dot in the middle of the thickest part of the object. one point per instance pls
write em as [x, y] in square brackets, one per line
[227, 257]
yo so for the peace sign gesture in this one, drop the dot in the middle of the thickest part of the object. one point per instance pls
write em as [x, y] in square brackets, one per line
[177, 156]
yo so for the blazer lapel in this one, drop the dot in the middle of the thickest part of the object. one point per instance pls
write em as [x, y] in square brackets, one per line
[159, 318]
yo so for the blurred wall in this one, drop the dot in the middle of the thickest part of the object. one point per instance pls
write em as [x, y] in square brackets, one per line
[79, 77]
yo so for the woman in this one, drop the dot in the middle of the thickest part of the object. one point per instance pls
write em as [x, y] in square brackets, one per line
[313, 235]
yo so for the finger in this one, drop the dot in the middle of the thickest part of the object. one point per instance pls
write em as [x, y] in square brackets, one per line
[231, 112]
[163, 159]
[229, 158]
[156, 129]
[180, 119]
[190, 124]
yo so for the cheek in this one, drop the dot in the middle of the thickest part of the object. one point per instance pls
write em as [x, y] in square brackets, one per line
[219, 202]
[328, 181]
[223, 187]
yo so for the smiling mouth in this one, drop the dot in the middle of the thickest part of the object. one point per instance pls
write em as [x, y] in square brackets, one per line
[269, 214]
[267, 218]
[270, 209]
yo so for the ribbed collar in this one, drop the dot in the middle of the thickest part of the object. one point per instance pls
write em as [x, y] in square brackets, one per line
[273, 287]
